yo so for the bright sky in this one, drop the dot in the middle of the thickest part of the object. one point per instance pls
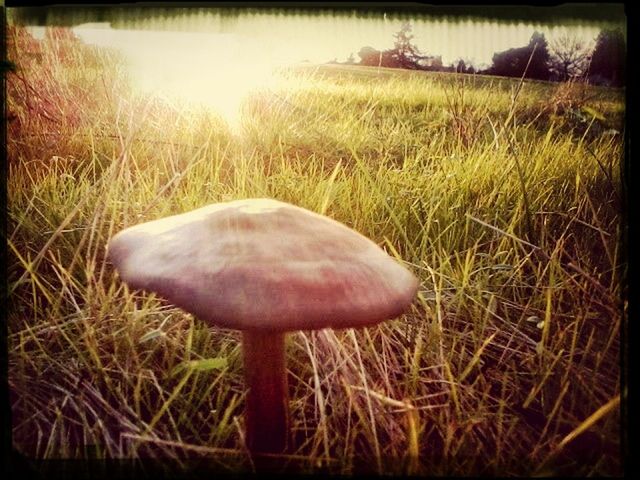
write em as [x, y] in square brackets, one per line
[217, 62]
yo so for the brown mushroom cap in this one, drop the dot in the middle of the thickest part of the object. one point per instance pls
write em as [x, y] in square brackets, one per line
[262, 264]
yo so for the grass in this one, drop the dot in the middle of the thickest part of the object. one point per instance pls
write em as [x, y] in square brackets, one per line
[507, 207]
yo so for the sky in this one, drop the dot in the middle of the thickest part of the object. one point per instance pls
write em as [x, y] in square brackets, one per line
[217, 61]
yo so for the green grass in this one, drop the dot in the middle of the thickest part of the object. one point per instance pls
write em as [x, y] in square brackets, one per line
[503, 198]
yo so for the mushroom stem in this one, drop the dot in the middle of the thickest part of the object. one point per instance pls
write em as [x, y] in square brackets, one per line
[267, 399]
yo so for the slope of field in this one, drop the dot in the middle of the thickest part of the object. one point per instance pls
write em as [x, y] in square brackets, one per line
[504, 198]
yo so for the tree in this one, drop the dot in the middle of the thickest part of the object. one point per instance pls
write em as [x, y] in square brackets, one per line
[609, 58]
[460, 66]
[513, 62]
[404, 52]
[539, 64]
[370, 56]
[569, 57]
[431, 62]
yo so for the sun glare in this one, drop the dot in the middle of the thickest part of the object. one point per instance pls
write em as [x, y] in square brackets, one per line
[214, 70]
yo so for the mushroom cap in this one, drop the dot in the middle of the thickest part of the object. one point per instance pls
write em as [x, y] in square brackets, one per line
[262, 264]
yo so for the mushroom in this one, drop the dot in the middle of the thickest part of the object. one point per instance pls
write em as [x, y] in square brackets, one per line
[266, 268]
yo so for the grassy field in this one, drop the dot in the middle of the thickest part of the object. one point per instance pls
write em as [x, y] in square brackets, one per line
[504, 198]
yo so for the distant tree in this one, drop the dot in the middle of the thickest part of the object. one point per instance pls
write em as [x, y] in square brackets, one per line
[608, 62]
[539, 64]
[431, 62]
[507, 63]
[351, 60]
[569, 57]
[462, 66]
[405, 54]
[370, 56]
[513, 62]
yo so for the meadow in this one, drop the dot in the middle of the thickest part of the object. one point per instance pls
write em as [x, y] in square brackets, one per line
[505, 198]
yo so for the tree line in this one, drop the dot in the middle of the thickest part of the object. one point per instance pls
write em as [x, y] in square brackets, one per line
[562, 59]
